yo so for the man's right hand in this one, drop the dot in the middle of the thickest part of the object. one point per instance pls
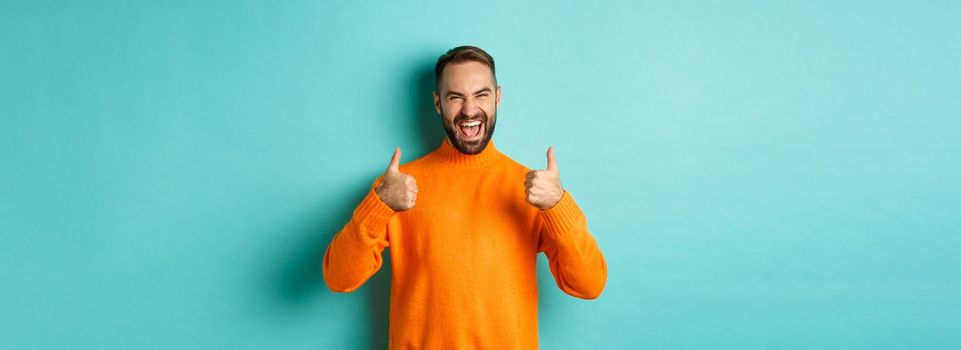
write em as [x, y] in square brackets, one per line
[396, 189]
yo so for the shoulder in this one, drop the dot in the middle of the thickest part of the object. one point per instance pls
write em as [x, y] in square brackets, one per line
[416, 165]
[512, 165]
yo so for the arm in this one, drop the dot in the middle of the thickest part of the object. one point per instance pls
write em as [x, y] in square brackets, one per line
[354, 254]
[573, 255]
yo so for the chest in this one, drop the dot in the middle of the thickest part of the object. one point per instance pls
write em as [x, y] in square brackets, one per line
[474, 216]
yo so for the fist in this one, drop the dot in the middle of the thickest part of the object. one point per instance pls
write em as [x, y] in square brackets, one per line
[396, 189]
[543, 187]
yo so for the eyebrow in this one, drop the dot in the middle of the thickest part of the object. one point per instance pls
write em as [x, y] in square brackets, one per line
[486, 89]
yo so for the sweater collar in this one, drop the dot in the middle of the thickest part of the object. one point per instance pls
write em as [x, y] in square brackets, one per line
[449, 153]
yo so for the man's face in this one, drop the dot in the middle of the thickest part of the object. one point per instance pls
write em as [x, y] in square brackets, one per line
[467, 102]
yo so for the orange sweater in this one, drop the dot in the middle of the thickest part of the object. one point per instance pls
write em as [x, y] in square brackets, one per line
[464, 258]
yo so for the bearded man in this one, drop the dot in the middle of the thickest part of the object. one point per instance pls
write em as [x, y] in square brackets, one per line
[465, 224]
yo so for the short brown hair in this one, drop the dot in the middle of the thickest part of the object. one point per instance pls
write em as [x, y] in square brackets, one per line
[463, 54]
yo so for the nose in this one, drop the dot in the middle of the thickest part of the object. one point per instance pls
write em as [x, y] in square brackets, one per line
[469, 107]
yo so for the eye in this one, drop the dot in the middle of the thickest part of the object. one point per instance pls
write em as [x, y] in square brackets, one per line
[483, 94]
[455, 98]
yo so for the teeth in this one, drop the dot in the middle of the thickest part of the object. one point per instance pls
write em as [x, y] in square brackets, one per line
[473, 123]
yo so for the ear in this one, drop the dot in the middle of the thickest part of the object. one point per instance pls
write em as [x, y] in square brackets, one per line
[498, 103]
[437, 101]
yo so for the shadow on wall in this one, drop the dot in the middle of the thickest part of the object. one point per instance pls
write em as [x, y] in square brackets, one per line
[302, 279]
[424, 118]
[304, 276]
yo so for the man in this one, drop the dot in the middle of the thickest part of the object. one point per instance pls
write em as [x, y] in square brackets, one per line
[465, 224]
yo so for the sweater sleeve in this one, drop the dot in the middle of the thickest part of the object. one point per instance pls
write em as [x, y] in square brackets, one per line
[354, 254]
[573, 254]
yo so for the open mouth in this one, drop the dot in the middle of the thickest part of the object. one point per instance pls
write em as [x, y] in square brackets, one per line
[471, 129]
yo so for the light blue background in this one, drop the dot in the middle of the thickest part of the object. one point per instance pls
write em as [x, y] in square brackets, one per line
[759, 175]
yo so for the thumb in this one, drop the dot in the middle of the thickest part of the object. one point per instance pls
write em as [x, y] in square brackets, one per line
[551, 163]
[394, 162]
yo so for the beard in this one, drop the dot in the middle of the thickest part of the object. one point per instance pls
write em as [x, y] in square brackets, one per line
[470, 147]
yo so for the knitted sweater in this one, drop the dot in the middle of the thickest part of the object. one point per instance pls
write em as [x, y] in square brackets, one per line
[464, 257]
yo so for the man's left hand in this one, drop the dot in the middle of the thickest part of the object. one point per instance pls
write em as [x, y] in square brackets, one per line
[543, 187]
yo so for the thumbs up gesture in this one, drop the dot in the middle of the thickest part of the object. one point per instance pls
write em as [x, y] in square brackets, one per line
[543, 187]
[396, 189]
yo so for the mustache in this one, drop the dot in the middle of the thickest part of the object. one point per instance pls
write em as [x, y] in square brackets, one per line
[479, 116]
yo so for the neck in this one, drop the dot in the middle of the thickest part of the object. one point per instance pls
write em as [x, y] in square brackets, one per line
[448, 152]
